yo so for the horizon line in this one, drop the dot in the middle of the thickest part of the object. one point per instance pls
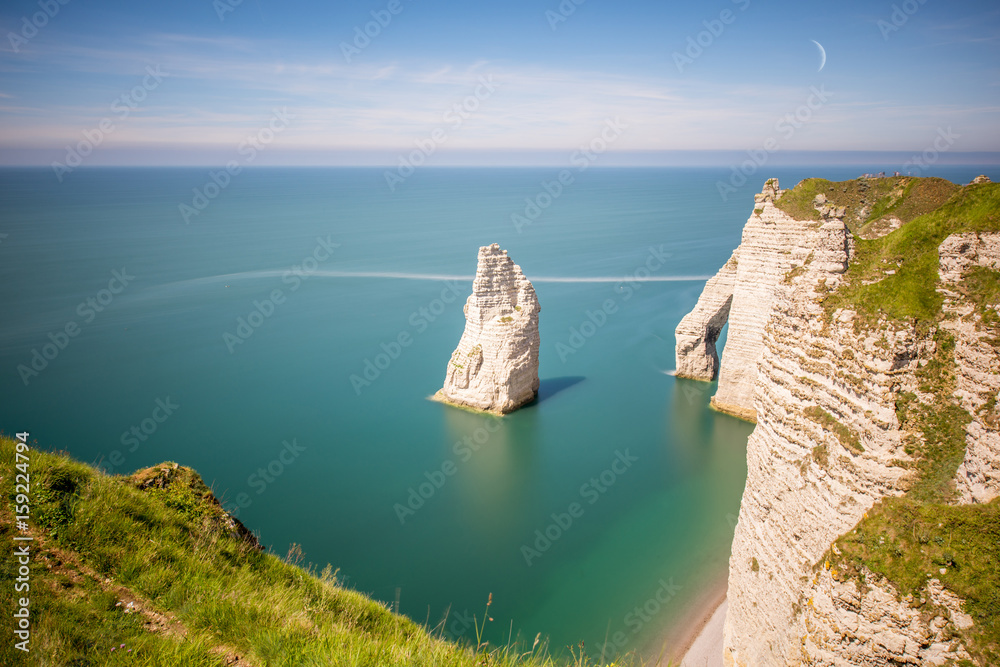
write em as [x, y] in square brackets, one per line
[219, 156]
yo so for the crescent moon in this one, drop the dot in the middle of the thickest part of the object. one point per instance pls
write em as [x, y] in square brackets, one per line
[822, 55]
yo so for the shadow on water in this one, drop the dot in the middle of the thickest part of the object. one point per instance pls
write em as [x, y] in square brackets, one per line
[549, 387]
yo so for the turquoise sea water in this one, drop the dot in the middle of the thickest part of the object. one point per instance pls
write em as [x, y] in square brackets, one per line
[229, 344]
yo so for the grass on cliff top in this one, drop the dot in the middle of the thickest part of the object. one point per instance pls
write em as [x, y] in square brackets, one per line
[204, 591]
[912, 253]
[868, 200]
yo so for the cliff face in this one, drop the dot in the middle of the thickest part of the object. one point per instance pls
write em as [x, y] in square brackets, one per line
[743, 293]
[826, 391]
[495, 366]
[810, 475]
[978, 361]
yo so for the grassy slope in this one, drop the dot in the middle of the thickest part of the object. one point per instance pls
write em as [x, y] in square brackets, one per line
[869, 201]
[205, 594]
[912, 253]
[909, 539]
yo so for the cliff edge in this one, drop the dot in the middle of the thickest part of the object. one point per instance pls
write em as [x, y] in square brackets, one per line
[869, 530]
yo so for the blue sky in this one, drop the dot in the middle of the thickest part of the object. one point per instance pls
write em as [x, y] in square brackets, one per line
[555, 77]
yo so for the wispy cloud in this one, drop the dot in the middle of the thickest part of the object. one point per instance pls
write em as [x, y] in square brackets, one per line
[219, 88]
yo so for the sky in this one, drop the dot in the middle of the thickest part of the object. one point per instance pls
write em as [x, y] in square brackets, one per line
[368, 81]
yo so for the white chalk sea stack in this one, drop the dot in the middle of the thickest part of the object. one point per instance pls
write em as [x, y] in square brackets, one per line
[495, 366]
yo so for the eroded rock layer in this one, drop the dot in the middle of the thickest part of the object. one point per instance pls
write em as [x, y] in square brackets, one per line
[977, 361]
[773, 244]
[828, 445]
[495, 366]
[847, 626]
[825, 448]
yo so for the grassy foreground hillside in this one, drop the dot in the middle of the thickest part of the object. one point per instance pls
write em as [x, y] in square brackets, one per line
[893, 277]
[149, 570]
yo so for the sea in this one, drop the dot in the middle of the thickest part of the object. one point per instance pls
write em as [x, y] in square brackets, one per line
[281, 329]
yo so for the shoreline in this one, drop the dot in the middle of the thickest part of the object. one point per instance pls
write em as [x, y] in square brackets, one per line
[706, 649]
[681, 638]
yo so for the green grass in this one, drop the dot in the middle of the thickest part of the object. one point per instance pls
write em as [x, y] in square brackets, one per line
[912, 252]
[918, 196]
[830, 423]
[982, 286]
[161, 538]
[909, 542]
[798, 201]
[868, 200]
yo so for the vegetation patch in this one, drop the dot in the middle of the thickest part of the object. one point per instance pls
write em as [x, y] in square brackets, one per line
[982, 286]
[868, 201]
[798, 201]
[941, 423]
[797, 271]
[911, 200]
[830, 423]
[912, 253]
[909, 542]
[820, 455]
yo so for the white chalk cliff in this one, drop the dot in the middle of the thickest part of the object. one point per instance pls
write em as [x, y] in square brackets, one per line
[495, 366]
[978, 362]
[743, 293]
[828, 443]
